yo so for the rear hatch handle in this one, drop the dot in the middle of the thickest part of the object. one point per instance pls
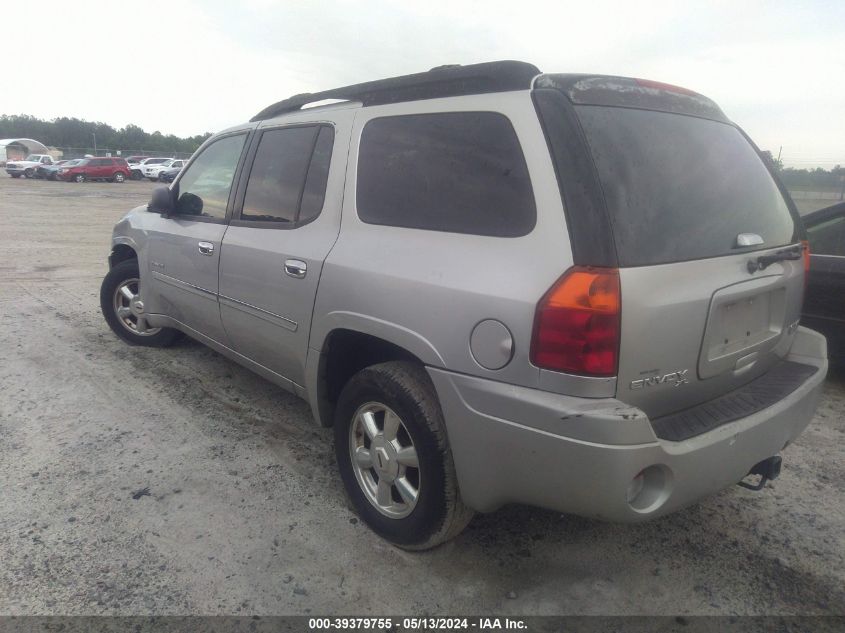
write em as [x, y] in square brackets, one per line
[764, 261]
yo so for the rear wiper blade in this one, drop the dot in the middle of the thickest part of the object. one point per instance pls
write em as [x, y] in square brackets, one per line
[764, 261]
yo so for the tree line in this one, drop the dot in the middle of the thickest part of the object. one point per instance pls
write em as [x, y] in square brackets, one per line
[72, 132]
[817, 179]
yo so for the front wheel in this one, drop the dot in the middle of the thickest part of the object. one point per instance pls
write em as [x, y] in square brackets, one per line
[118, 177]
[394, 457]
[28, 173]
[123, 309]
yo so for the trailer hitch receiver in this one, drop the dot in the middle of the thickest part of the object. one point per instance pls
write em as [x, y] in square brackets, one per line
[767, 469]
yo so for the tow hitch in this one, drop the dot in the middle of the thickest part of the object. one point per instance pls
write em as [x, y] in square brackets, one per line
[767, 469]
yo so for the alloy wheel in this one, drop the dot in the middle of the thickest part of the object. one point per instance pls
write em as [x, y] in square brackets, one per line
[130, 309]
[384, 460]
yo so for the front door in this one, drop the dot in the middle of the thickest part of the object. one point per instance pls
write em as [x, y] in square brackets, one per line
[185, 249]
[283, 228]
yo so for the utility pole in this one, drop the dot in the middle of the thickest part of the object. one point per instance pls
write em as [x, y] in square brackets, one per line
[95, 142]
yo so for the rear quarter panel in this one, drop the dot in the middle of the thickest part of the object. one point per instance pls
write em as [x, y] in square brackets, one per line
[426, 290]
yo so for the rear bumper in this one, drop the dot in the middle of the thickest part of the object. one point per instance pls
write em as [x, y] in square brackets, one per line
[578, 455]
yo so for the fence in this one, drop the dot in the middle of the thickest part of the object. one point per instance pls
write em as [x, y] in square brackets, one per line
[80, 152]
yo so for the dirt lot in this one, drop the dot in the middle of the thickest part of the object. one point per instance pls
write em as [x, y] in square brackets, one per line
[140, 481]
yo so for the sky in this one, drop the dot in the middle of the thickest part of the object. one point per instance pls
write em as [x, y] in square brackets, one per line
[186, 67]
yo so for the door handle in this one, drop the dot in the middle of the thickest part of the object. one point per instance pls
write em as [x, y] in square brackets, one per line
[295, 268]
[206, 248]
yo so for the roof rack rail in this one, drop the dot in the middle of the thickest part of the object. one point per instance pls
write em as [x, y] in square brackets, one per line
[443, 81]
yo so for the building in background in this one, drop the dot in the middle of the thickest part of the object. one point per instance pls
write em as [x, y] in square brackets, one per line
[20, 148]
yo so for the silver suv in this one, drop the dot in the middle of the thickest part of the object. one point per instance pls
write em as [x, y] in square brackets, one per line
[498, 286]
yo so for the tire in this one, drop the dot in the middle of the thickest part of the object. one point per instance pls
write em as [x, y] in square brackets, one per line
[28, 173]
[435, 513]
[118, 177]
[124, 320]
[79, 178]
[136, 175]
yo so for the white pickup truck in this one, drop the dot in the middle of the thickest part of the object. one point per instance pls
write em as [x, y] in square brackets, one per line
[26, 167]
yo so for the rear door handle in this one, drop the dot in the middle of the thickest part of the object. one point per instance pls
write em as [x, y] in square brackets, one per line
[206, 248]
[295, 268]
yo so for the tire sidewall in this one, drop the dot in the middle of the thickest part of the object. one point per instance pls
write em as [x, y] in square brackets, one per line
[370, 385]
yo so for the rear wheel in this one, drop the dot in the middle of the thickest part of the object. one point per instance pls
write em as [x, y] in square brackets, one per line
[28, 173]
[79, 178]
[123, 309]
[394, 457]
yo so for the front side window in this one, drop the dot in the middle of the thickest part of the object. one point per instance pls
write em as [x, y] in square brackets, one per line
[204, 188]
[460, 172]
[284, 181]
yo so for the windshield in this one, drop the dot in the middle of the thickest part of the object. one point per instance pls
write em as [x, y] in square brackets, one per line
[71, 163]
[33, 158]
[681, 187]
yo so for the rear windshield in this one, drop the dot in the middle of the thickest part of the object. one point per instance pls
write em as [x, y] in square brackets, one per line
[680, 187]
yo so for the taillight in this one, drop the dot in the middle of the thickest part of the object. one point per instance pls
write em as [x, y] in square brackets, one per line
[576, 327]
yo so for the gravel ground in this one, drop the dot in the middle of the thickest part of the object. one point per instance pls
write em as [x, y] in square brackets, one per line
[138, 481]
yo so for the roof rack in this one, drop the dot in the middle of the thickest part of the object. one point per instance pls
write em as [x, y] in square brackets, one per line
[443, 81]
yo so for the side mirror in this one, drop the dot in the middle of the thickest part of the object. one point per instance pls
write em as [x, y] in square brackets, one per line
[161, 202]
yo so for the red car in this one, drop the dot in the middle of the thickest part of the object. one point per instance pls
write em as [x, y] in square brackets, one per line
[112, 169]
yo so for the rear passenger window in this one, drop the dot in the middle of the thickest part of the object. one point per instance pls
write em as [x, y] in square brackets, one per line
[284, 178]
[460, 172]
[318, 175]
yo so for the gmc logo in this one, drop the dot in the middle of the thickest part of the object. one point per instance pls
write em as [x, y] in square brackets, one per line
[675, 378]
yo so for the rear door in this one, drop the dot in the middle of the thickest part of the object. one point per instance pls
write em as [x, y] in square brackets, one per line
[284, 226]
[693, 208]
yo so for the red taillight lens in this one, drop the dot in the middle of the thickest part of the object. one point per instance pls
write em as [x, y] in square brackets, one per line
[806, 253]
[576, 327]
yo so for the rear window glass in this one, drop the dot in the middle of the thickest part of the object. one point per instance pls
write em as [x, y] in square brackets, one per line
[461, 172]
[680, 187]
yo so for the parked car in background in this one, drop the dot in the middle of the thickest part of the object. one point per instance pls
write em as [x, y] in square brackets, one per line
[137, 169]
[111, 169]
[49, 172]
[824, 298]
[169, 174]
[42, 170]
[27, 166]
[496, 319]
[133, 161]
[152, 171]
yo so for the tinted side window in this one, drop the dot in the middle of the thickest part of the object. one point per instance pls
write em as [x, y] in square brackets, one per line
[204, 187]
[287, 182]
[277, 174]
[318, 174]
[461, 172]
